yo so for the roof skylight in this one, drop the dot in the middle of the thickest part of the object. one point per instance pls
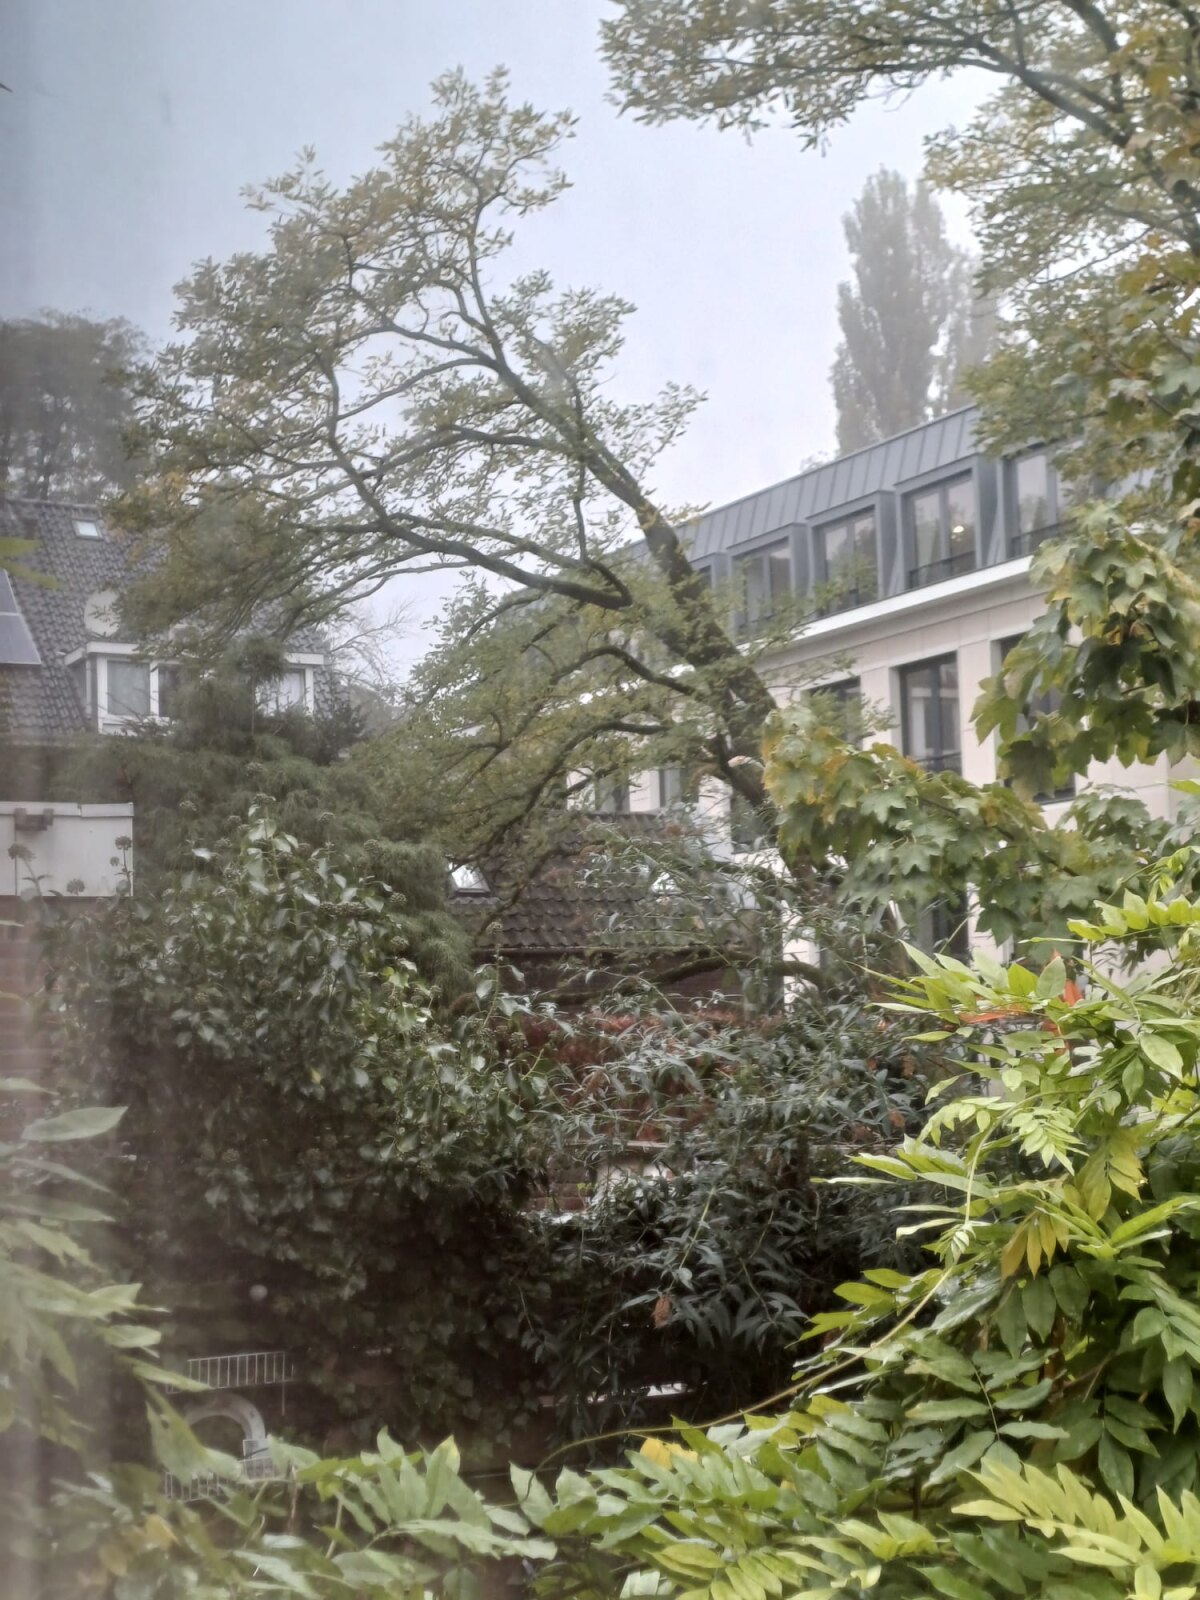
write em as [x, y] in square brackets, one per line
[466, 879]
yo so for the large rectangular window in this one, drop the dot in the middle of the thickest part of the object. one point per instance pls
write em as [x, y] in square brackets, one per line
[673, 790]
[287, 692]
[1040, 705]
[764, 584]
[929, 714]
[1038, 502]
[941, 529]
[847, 563]
[128, 687]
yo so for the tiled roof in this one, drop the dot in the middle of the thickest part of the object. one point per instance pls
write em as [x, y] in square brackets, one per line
[41, 703]
[821, 490]
[568, 907]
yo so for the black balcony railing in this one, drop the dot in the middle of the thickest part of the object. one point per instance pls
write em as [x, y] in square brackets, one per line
[946, 567]
[1025, 543]
[847, 600]
[941, 761]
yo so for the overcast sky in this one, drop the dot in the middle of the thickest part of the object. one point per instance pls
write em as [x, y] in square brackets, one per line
[132, 126]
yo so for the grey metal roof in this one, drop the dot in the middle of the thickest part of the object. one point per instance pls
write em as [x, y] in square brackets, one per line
[822, 490]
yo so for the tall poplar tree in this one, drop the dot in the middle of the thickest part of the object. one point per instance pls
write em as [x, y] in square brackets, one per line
[910, 318]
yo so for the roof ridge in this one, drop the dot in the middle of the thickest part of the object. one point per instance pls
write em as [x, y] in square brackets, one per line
[90, 506]
[823, 466]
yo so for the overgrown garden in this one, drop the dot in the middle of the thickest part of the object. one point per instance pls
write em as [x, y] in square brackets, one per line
[916, 1258]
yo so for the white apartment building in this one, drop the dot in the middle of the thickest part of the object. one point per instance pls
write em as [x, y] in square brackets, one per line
[920, 549]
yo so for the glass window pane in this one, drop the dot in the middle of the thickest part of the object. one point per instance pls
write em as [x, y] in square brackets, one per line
[920, 719]
[750, 579]
[670, 786]
[779, 572]
[1032, 475]
[284, 692]
[930, 720]
[866, 561]
[835, 541]
[960, 516]
[765, 577]
[927, 527]
[846, 558]
[946, 673]
[128, 688]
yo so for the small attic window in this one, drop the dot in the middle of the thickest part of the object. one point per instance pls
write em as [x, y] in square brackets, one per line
[86, 528]
[466, 879]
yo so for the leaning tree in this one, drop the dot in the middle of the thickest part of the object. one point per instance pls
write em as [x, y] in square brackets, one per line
[382, 390]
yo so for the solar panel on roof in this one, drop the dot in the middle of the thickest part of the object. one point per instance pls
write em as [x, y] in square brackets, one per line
[17, 648]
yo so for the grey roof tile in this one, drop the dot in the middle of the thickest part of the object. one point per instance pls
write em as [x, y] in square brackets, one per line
[41, 703]
[562, 909]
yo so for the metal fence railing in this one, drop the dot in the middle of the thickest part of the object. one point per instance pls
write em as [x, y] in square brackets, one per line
[257, 1467]
[246, 1370]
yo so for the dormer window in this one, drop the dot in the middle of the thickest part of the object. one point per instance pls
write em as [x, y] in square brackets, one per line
[1038, 502]
[121, 691]
[764, 584]
[847, 563]
[86, 528]
[941, 528]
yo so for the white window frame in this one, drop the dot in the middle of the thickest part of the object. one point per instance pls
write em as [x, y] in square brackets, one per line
[305, 704]
[99, 652]
[120, 719]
